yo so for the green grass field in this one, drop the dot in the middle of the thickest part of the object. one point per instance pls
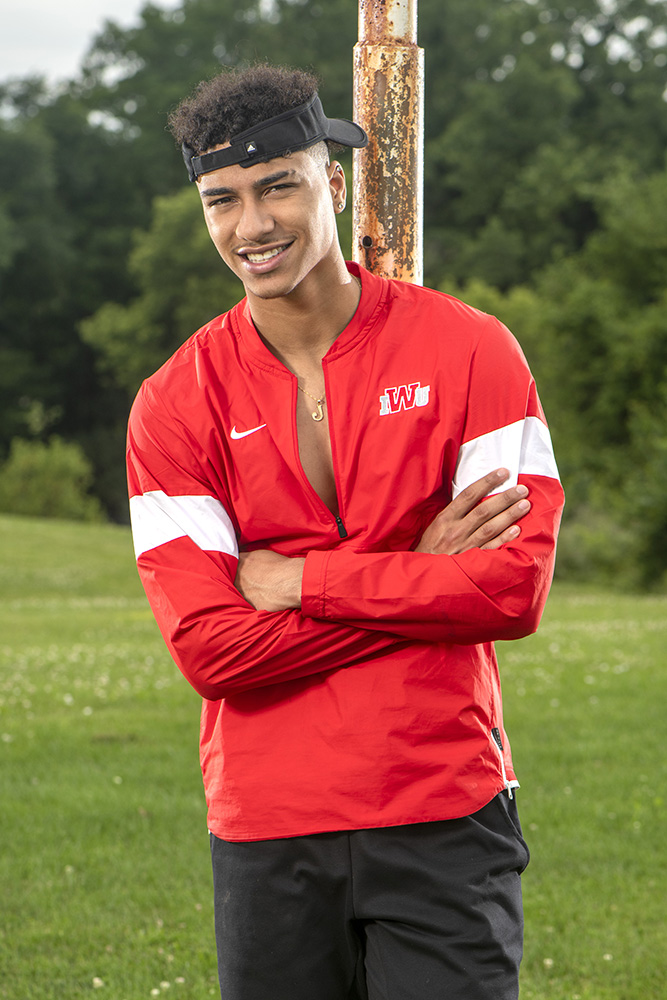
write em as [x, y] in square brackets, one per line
[104, 869]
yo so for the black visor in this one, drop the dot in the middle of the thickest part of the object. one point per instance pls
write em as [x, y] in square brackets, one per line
[295, 129]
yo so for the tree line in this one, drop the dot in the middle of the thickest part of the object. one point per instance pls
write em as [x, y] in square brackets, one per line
[546, 204]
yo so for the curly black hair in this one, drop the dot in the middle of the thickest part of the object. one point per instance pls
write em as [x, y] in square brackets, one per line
[236, 100]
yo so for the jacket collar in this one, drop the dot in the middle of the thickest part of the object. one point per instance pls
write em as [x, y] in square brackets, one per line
[374, 292]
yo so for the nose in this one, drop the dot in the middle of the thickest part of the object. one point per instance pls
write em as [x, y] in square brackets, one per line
[255, 222]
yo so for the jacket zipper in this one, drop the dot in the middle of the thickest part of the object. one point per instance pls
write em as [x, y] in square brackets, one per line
[342, 531]
[497, 739]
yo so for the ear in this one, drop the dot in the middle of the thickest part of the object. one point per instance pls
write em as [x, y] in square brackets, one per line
[337, 185]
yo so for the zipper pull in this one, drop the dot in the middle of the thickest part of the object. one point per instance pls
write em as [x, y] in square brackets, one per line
[341, 527]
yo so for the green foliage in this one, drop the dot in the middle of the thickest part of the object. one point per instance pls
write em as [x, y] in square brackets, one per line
[48, 480]
[594, 328]
[528, 106]
[182, 284]
[645, 496]
[35, 243]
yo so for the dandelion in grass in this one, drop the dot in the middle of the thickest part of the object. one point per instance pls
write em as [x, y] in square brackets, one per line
[548, 963]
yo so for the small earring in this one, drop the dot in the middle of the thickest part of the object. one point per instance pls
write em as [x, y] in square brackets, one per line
[341, 206]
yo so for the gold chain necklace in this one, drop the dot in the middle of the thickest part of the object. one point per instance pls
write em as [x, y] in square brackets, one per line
[318, 415]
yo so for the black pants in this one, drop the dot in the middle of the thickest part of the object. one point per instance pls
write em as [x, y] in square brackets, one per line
[430, 911]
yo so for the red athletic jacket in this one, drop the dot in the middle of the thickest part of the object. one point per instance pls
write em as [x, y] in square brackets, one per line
[378, 703]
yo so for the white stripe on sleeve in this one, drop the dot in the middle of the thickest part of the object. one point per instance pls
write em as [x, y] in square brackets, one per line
[158, 518]
[523, 447]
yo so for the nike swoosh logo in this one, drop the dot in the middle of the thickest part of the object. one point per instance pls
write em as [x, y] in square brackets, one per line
[237, 435]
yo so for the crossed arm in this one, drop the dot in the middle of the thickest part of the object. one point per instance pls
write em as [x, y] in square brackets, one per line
[272, 582]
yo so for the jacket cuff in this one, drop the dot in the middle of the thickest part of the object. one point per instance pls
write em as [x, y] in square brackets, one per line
[313, 585]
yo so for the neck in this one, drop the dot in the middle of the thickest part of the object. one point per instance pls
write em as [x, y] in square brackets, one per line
[305, 323]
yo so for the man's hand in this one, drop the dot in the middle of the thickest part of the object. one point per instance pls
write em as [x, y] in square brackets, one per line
[269, 581]
[471, 522]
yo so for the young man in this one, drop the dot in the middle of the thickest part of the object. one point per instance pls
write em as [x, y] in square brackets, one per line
[307, 479]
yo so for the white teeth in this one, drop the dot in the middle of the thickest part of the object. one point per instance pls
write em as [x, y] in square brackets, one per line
[257, 258]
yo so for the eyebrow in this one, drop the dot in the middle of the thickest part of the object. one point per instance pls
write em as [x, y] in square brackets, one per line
[261, 182]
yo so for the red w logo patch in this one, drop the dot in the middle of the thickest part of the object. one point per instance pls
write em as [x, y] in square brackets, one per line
[403, 397]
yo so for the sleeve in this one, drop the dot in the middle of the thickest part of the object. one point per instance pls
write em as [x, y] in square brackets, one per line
[187, 555]
[480, 595]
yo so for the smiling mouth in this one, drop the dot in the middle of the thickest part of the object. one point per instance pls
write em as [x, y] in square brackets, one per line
[261, 256]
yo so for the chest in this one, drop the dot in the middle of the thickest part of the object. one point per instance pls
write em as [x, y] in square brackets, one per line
[314, 445]
[380, 462]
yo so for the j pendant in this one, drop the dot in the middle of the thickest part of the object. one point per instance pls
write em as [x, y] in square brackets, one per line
[319, 413]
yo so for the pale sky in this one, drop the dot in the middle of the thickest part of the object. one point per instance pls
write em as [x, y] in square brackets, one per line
[51, 36]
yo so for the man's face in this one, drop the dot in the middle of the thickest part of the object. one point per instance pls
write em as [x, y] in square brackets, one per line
[273, 223]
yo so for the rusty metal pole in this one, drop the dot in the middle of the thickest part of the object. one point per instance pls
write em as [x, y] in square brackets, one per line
[388, 204]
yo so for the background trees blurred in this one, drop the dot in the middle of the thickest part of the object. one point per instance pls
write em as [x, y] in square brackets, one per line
[546, 194]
